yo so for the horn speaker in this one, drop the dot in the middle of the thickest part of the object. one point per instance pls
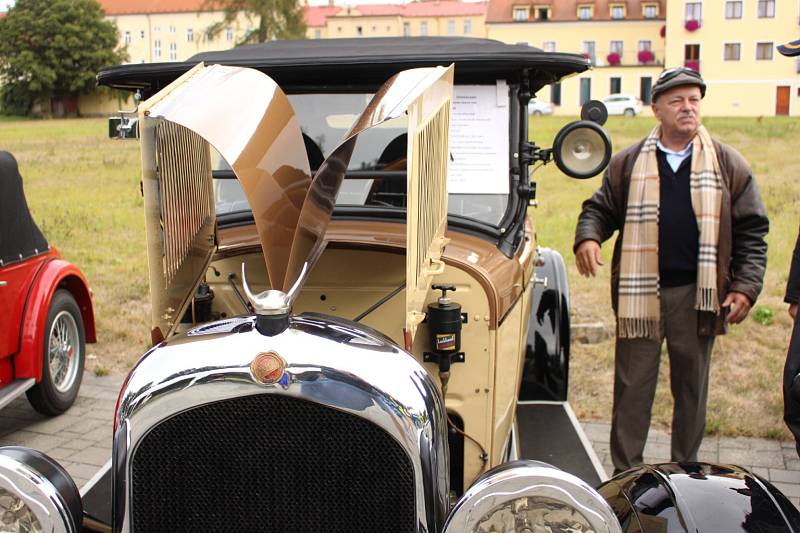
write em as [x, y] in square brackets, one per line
[582, 149]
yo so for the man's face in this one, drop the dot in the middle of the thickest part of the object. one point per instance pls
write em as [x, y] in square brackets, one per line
[678, 110]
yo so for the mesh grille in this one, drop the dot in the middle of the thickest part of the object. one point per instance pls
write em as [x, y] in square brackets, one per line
[270, 463]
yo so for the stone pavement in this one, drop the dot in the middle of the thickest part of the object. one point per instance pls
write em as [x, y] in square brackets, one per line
[774, 460]
[80, 439]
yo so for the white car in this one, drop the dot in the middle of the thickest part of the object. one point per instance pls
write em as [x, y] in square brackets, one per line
[537, 107]
[623, 104]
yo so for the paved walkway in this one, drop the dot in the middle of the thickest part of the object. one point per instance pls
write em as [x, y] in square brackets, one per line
[80, 439]
[774, 460]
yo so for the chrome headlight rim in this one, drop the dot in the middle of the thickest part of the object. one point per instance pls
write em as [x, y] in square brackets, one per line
[526, 478]
[43, 486]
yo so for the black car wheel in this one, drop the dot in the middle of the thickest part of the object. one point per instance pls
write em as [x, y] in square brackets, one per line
[63, 357]
[630, 113]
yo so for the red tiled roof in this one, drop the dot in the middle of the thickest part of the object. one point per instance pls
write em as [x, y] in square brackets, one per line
[373, 10]
[317, 15]
[130, 7]
[567, 10]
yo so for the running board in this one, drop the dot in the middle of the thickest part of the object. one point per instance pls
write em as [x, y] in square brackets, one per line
[15, 389]
[550, 432]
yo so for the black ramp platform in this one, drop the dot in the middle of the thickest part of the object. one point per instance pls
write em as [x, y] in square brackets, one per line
[548, 433]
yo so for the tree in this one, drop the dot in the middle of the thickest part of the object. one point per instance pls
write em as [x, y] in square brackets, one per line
[276, 19]
[50, 50]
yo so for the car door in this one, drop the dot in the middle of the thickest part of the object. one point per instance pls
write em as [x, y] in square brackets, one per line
[15, 280]
[613, 105]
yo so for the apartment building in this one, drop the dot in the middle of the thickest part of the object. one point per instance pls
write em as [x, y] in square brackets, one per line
[624, 40]
[432, 18]
[732, 43]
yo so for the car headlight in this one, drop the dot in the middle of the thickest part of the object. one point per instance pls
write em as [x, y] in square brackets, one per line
[36, 494]
[529, 496]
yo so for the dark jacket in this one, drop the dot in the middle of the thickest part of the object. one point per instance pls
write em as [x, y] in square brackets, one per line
[742, 249]
[793, 284]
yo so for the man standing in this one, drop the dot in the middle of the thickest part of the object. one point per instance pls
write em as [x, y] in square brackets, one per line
[791, 380]
[690, 257]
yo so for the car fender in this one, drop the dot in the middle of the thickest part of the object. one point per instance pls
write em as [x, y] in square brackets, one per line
[55, 274]
[545, 374]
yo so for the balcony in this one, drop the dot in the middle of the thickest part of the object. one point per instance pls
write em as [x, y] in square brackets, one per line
[629, 58]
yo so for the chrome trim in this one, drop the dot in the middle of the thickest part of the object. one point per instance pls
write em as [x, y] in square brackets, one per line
[330, 361]
[269, 302]
[530, 479]
[38, 493]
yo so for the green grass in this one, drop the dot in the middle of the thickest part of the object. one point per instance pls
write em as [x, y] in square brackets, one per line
[83, 190]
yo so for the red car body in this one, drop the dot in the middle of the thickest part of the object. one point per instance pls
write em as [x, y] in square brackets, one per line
[29, 283]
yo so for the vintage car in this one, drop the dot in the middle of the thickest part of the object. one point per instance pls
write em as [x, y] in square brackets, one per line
[353, 327]
[46, 315]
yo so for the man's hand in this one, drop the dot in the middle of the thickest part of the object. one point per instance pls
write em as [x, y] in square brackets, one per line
[793, 311]
[588, 258]
[739, 304]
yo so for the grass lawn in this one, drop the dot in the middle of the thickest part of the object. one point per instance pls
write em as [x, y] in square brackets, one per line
[83, 190]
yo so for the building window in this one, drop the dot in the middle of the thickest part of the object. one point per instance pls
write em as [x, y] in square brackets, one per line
[733, 51]
[615, 47]
[229, 34]
[733, 9]
[589, 50]
[766, 9]
[406, 29]
[374, 29]
[520, 14]
[423, 28]
[617, 12]
[549, 46]
[451, 27]
[555, 94]
[586, 90]
[615, 85]
[141, 34]
[694, 11]
[584, 12]
[645, 84]
[645, 46]
[650, 11]
[359, 31]
[127, 38]
[156, 28]
[172, 29]
[764, 51]
[691, 56]
[467, 27]
[157, 48]
[173, 51]
[190, 35]
[543, 13]
[317, 34]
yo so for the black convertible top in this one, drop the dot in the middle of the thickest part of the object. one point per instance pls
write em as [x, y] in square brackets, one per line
[20, 238]
[362, 63]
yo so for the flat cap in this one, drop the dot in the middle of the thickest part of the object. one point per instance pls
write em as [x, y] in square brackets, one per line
[676, 77]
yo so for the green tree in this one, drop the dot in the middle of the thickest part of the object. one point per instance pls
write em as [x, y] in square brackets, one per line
[50, 50]
[273, 19]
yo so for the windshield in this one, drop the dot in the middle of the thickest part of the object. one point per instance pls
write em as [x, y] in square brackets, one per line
[478, 176]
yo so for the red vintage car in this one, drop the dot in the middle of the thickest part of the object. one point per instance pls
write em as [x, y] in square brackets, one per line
[46, 314]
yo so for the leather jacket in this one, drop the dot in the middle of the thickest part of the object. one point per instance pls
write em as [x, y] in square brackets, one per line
[742, 249]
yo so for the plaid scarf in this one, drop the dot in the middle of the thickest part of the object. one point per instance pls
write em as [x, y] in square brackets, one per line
[639, 310]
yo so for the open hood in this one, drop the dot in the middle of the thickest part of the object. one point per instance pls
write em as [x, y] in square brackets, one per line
[248, 119]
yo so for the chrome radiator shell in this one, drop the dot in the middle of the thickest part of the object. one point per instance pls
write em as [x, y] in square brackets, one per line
[329, 361]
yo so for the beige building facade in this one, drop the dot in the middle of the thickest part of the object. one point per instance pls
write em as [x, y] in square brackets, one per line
[732, 43]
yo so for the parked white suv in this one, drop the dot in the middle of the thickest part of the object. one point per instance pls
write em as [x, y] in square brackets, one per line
[623, 104]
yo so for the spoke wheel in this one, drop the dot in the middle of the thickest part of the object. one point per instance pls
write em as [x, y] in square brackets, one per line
[63, 357]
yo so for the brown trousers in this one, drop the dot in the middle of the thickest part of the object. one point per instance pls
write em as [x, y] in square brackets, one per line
[636, 374]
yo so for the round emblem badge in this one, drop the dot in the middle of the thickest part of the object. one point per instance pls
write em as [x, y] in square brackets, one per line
[268, 367]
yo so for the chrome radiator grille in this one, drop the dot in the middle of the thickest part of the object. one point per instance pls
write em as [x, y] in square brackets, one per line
[270, 463]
